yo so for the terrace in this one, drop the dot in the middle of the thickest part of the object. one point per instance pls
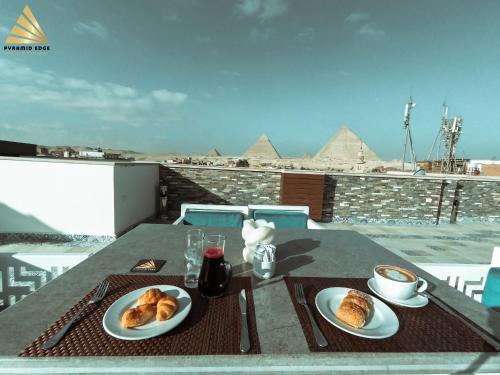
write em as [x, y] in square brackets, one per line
[77, 218]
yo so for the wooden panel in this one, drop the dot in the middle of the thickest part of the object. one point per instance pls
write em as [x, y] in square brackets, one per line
[303, 190]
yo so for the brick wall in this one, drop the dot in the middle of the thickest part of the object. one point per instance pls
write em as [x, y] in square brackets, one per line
[479, 200]
[375, 199]
[347, 198]
[219, 186]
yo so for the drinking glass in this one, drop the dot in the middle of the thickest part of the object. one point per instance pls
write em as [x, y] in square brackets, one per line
[215, 272]
[193, 256]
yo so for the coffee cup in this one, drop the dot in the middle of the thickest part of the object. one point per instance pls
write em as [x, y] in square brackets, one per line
[397, 283]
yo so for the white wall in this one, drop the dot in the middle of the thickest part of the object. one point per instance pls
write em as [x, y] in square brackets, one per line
[71, 197]
[136, 192]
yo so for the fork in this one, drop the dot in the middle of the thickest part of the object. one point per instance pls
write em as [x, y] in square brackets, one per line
[98, 296]
[301, 299]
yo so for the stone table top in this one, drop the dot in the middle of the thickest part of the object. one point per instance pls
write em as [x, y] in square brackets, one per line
[341, 253]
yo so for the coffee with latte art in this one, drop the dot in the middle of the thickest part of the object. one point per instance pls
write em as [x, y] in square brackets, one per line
[396, 274]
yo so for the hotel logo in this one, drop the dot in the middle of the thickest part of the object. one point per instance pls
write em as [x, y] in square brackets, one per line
[26, 34]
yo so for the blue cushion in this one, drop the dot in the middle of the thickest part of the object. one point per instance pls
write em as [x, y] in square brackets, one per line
[283, 219]
[491, 292]
[214, 218]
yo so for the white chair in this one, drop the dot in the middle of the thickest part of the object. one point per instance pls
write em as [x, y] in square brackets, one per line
[186, 208]
[311, 224]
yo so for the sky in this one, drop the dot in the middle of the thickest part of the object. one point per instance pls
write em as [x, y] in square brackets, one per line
[191, 75]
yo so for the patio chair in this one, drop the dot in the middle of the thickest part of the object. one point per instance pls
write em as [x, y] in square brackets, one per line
[284, 217]
[212, 215]
[491, 292]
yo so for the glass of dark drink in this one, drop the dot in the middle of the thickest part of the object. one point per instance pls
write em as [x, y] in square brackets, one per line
[215, 273]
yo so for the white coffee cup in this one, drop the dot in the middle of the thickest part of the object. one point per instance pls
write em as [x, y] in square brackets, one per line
[397, 283]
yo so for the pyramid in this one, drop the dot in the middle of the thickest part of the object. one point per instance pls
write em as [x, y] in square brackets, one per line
[345, 145]
[263, 148]
[213, 153]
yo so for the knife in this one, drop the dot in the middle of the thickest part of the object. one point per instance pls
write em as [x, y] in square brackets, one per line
[244, 340]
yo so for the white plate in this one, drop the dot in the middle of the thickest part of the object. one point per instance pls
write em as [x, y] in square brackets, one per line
[113, 316]
[381, 323]
[414, 302]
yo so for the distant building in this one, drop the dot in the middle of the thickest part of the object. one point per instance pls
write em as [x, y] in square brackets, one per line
[361, 163]
[484, 167]
[92, 154]
[112, 156]
[56, 153]
[8, 148]
[43, 151]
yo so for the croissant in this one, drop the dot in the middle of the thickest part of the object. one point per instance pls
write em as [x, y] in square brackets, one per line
[354, 309]
[166, 307]
[137, 316]
[150, 297]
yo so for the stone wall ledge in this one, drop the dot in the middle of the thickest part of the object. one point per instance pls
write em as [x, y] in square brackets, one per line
[437, 177]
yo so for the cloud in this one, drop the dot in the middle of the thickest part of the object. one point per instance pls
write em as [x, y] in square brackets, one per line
[22, 74]
[122, 91]
[9, 126]
[305, 35]
[105, 101]
[258, 34]
[56, 6]
[30, 126]
[249, 7]
[371, 31]
[165, 96]
[273, 8]
[262, 9]
[357, 17]
[93, 28]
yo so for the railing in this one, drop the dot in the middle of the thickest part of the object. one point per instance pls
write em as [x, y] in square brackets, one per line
[466, 278]
[23, 273]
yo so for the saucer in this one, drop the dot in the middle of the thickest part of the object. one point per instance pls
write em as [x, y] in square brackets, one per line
[413, 302]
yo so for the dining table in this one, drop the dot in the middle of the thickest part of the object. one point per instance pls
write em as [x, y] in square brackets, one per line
[282, 342]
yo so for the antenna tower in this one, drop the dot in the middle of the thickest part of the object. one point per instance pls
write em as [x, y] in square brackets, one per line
[448, 135]
[408, 140]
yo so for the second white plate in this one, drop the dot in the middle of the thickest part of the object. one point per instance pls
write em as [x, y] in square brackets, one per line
[112, 318]
[381, 323]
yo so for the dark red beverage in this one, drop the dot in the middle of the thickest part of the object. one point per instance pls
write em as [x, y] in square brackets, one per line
[215, 273]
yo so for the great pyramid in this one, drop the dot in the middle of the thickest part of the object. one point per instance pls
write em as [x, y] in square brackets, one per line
[263, 148]
[345, 145]
[213, 153]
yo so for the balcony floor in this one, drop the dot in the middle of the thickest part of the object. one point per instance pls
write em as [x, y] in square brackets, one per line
[446, 243]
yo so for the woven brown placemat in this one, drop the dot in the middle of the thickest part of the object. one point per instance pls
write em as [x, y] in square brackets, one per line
[212, 326]
[426, 329]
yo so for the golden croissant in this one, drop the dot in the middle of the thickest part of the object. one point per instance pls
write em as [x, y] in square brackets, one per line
[354, 309]
[150, 297]
[166, 307]
[137, 316]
